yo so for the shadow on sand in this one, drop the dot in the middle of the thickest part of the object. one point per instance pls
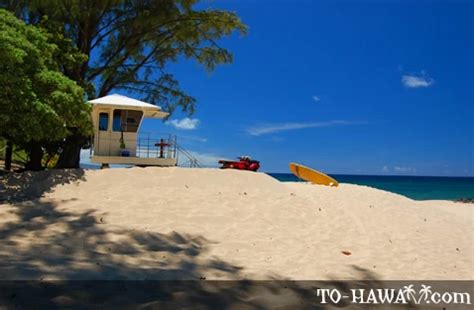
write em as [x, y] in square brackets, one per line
[16, 187]
[51, 257]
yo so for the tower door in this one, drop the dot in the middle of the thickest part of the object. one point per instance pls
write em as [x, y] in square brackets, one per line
[103, 136]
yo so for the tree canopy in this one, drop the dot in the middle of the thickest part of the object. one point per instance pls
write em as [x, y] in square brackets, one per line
[38, 103]
[128, 44]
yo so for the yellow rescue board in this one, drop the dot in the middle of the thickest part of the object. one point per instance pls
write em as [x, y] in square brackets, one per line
[312, 175]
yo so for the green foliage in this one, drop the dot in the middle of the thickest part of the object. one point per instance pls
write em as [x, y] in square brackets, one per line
[37, 102]
[19, 155]
[132, 41]
[125, 45]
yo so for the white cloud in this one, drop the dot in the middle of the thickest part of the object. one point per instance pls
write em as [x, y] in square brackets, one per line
[398, 169]
[272, 128]
[417, 81]
[185, 123]
[204, 159]
[404, 169]
[316, 98]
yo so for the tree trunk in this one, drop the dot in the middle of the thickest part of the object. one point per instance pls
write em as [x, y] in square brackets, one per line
[71, 153]
[8, 156]
[35, 157]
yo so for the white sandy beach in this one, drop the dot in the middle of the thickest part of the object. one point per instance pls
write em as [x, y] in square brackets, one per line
[177, 223]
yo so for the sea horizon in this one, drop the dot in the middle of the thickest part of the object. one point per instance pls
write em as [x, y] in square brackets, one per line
[97, 166]
[300, 155]
[381, 175]
[414, 187]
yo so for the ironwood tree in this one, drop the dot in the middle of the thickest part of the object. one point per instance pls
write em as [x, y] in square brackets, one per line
[128, 44]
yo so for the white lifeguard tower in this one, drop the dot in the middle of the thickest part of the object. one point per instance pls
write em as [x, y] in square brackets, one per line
[117, 140]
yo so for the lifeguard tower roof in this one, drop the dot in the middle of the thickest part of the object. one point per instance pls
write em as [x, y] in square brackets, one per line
[116, 121]
[116, 100]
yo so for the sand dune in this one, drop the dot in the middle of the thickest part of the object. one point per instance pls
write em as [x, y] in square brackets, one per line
[176, 223]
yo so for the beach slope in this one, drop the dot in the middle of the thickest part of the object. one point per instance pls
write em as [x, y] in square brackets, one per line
[176, 223]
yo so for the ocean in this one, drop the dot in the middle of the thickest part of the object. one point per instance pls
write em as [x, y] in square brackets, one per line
[418, 188]
[414, 187]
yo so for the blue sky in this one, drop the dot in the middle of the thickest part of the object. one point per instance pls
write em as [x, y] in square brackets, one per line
[355, 87]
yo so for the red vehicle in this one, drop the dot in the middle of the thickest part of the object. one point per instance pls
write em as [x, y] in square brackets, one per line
[244, 163]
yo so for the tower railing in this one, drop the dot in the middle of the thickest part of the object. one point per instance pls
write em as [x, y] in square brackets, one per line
[148, 145]
[190, 159]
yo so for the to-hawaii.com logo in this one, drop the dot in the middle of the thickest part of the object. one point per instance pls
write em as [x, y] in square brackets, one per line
[405, 295]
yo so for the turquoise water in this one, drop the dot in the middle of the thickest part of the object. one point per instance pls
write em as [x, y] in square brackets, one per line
[418, 188]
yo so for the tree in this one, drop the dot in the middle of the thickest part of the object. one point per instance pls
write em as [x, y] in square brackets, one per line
[128, 44]
[37, 102]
